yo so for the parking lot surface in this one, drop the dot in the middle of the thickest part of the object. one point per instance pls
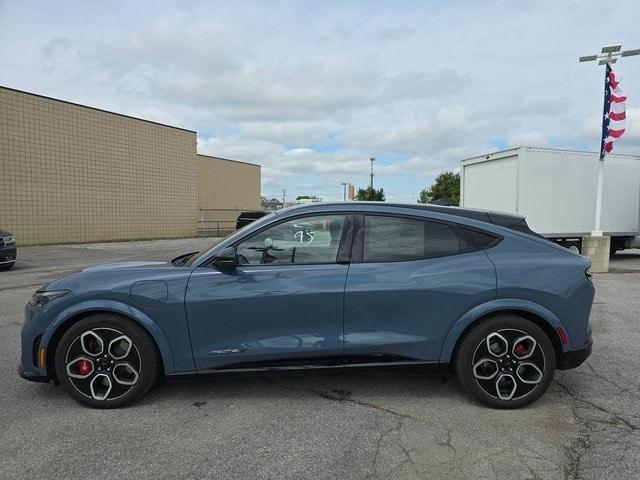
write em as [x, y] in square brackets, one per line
[340, 425]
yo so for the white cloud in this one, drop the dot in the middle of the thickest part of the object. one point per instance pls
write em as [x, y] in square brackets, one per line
[311, 91]
[528, 139]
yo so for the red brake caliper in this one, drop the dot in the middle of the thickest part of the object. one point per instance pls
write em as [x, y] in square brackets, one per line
[85, 367]
[521, 350]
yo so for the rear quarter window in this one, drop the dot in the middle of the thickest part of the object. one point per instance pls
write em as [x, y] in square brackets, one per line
[481, 240]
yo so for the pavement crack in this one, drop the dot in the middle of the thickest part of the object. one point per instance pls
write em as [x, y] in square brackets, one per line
[601, 377]
[595, 406]
[447, 441]
[533, 473]
[342, 396]
[338, 395]
[408, 460]
[575, 452]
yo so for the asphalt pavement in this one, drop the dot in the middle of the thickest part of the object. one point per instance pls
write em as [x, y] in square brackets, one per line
[354, 425]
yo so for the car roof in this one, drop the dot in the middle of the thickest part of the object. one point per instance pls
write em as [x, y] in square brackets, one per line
[489, 216]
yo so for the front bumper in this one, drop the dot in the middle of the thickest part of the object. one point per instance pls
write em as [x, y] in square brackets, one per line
[31, 377]
[8, 254]
[30, 340]
[574, 358]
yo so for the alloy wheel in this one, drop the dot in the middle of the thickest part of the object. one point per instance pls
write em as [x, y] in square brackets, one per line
[508, 364]
[103, 363]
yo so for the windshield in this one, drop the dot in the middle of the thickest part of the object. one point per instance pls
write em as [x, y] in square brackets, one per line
[237, 234]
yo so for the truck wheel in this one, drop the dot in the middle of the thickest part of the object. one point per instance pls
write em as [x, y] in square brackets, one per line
[575, 247]
[505, 361]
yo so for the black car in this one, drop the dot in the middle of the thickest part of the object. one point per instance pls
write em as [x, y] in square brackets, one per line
[245, 218]
[7, 250]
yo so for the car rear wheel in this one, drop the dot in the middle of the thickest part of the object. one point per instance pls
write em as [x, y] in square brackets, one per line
[106, 361]
[506, 361]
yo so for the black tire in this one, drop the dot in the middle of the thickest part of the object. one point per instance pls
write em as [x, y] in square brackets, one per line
[474, 348]
[142, 359]
[7, 266]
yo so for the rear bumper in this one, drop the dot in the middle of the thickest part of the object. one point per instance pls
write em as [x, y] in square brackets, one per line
[31, 377]
[574, 358]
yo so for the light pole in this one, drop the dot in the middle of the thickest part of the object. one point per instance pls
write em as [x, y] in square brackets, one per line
[607, 56]
[372, 159]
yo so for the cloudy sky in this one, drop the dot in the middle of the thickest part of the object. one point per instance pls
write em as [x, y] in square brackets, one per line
[310, 90]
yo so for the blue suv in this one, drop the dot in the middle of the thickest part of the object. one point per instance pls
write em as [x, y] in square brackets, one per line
[332, 286]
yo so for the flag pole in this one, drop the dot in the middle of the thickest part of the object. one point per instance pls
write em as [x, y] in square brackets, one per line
[609, 54]
[597, 232]
[596, 246]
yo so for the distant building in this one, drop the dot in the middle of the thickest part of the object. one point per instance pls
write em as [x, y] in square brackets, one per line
[351, 192]
[71, 173]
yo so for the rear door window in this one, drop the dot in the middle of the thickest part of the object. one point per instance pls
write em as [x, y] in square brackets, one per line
[396, 239]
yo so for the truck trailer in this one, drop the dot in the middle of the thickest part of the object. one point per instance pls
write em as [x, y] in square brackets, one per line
[556, 191]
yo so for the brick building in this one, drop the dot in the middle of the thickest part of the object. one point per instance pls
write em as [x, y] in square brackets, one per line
[71, 173]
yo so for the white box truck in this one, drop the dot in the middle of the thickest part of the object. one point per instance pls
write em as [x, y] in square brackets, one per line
[556, 191]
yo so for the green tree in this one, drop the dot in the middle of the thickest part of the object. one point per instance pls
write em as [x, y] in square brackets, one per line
[370, 194]
[446, 185]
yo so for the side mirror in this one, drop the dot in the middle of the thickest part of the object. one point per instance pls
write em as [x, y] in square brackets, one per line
[225, 259]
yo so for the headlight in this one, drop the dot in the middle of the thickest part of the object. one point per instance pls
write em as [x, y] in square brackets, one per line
[41, 298]
[9, 239]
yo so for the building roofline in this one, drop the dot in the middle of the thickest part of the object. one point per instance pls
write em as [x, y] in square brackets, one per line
[229, 160]
[96, 109]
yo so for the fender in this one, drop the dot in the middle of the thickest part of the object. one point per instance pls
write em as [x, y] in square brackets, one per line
[495, 306]
[117, 307]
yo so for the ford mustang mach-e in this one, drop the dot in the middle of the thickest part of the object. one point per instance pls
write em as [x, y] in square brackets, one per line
[335, 286]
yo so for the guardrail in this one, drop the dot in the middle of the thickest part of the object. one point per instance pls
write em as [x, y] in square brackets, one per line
[215, 228]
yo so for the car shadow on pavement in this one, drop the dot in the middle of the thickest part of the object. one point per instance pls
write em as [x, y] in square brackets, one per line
[336, 386]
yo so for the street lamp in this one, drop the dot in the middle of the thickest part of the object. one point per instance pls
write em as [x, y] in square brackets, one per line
[608, 55]
[372, 159]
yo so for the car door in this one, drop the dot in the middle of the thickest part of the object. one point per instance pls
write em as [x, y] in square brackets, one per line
[409, 280]
[282, 305]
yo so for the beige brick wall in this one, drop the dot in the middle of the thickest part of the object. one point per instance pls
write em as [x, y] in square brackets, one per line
[70, 173]
[226, 188]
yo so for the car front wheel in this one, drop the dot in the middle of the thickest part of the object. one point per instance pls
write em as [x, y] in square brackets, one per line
[106, 361]
[506, 361]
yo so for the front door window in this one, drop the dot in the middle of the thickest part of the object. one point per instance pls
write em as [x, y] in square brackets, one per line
[307, 240]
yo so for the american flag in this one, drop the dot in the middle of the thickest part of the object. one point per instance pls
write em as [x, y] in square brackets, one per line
[614, 112]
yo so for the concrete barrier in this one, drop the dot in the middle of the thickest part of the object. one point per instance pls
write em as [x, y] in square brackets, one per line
[598, 250]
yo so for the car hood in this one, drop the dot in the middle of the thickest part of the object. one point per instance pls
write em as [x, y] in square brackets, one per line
[125, 265]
